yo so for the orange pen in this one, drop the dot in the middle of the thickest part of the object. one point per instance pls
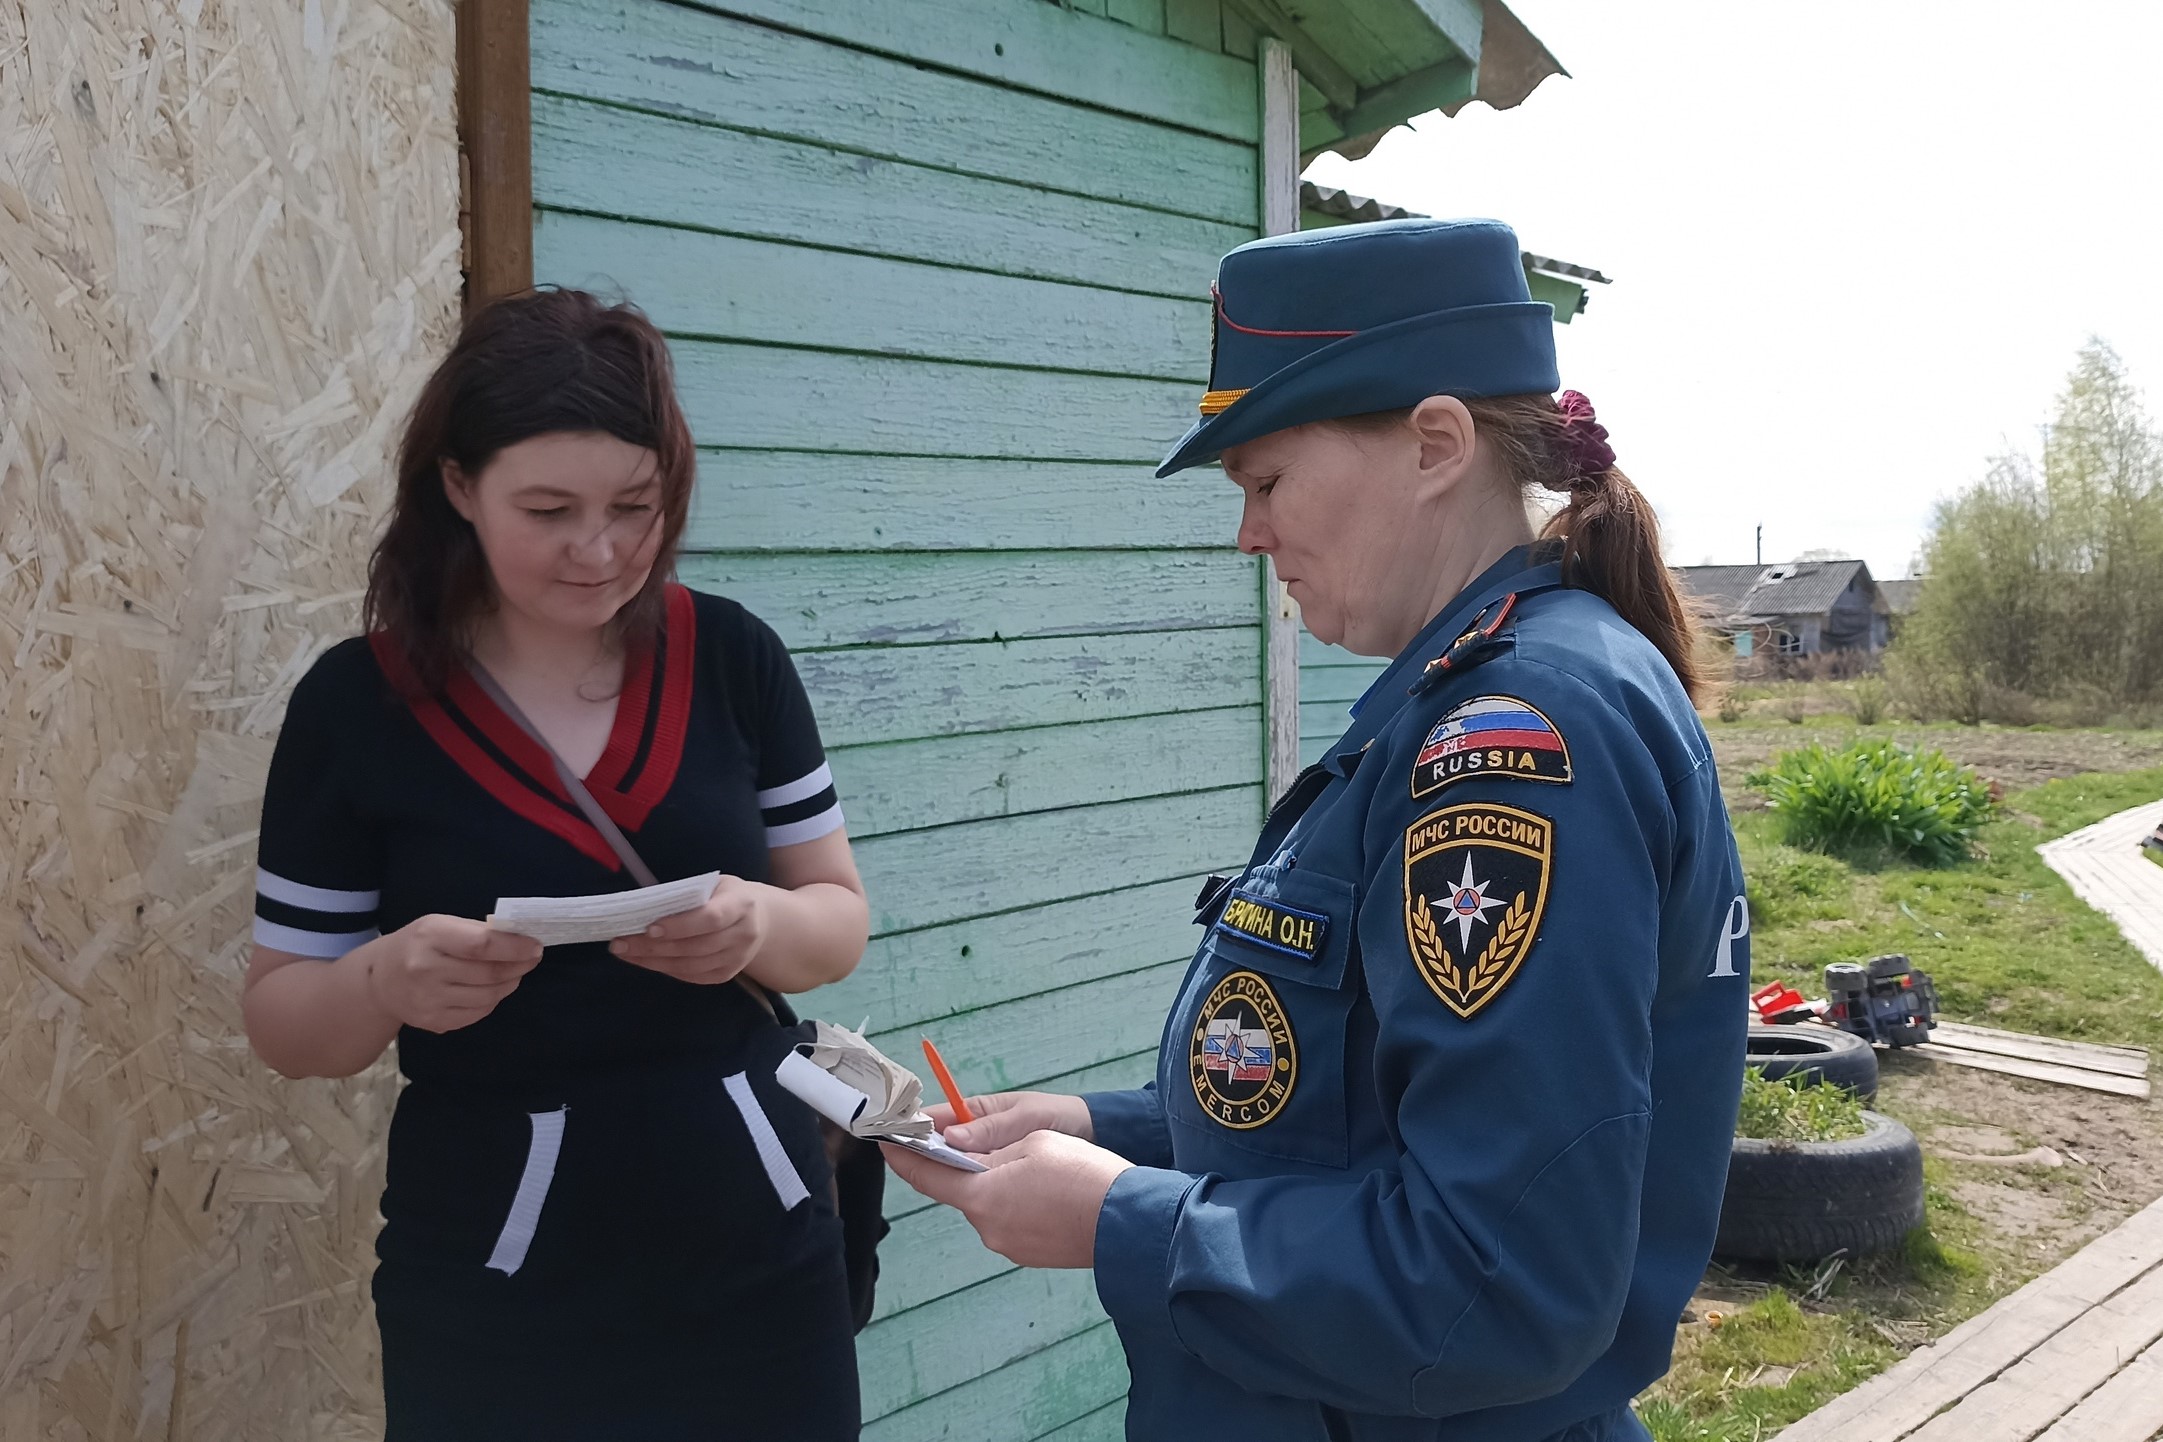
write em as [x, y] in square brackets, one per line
[946, 1083]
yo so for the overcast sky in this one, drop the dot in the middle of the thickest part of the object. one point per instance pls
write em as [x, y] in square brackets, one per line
[1854, 248]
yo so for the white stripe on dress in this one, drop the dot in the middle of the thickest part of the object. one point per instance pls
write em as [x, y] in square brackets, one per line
[811, 828]
[314, 898]
[525, 1214]
[788, 1186]
[798, 789]
[321, 945]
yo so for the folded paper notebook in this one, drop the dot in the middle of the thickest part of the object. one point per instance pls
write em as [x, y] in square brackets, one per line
[858, 1088]
[560, 920]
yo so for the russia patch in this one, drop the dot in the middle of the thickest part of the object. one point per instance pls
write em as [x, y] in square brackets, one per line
[1269, 923]
[1498, 736]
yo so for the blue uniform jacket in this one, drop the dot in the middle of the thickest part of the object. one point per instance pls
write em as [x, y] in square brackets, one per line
[1443, 1112]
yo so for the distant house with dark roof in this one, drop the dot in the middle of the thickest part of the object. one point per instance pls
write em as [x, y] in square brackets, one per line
[1795, 608]
[1900, 599]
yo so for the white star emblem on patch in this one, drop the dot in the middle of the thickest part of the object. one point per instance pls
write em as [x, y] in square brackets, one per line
[1468, 905]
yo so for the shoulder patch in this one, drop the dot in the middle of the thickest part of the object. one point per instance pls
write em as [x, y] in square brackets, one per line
[1490, 736]
[1475, 887]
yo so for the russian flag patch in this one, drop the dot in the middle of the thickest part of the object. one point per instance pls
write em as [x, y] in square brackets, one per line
[1495, 736]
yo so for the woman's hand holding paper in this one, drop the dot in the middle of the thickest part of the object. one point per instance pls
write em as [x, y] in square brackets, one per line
[710, 943]
[1038, 1204]
[1004, 1118]
[440, 973]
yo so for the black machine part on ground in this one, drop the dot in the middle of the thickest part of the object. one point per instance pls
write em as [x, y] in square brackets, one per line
[1886, 1001]
[1813, 1054]
[1805, 1201]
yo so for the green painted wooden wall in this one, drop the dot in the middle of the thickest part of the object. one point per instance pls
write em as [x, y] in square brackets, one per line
[935, 276]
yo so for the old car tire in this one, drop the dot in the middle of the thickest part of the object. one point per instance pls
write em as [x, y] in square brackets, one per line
[1805, 1201]
[1810, 1051]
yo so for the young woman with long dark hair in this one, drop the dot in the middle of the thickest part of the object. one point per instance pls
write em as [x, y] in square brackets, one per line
[602, 1218]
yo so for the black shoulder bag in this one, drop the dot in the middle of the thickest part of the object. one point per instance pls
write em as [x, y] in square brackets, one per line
[859, 1169]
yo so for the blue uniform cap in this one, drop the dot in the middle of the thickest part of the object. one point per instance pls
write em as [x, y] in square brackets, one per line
[1327, 323]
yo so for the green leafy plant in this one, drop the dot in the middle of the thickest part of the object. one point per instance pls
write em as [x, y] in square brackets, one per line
[1786, 1111]
[1876, 795]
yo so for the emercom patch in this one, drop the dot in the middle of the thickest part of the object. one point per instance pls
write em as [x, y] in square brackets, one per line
[1241, 1055]
[1497, 736]
[1475, 887]
[1271, 923]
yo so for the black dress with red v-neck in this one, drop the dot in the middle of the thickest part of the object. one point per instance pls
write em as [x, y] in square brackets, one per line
[602, 1218]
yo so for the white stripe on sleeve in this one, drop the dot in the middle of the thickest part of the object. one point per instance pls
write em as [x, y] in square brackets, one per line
[322, 945]
[313, 898]
[798, 789]
[811, 828]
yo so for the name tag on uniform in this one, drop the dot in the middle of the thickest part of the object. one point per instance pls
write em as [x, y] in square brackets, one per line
[1270, 923]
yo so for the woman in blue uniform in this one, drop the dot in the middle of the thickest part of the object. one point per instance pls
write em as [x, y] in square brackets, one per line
[1443, 1110]
[602, 1219]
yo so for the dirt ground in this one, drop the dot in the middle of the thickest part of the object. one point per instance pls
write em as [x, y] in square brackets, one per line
[2013, 758]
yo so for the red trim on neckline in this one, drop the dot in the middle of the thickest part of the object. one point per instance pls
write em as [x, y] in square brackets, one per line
[672, 721]
[630, 722]
[482, 767]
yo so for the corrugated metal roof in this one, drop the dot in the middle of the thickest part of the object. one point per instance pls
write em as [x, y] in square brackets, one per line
[1792, 588]
[1344, 205]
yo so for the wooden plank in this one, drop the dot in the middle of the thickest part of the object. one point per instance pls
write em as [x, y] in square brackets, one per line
[1036, 47]
[998, 1049]
[1339, 685]
[609, 161]
[2049, 1381]
[2090, 1056]
[755, 397]
[2127, 1408]
[673, 60]
[1146, 16]
[725, 287]
[936, 781]
[1107, 1424]
[919, 978]
[1280, 215]
[1197, 22]
[948, 873]
[1909, 1394]
[1324, 718]
[935, 1347]
[2124, 1086]
[901, 693]
[914, 597]
[793, 501]
[930, 1254]
[1026, 1398]
[494, 132]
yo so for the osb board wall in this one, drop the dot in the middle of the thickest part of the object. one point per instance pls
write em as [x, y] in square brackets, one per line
[228, 253]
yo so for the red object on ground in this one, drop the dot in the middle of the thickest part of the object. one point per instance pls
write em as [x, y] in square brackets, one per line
[1777, 998]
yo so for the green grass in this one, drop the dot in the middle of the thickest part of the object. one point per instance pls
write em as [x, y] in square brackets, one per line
[2009, 945]
[2006, 941]
[1787, 1111]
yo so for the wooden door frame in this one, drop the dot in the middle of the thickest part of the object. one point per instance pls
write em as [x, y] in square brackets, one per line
[1280, 214]
[495, 143]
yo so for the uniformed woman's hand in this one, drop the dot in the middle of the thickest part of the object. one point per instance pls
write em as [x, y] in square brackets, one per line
[1038, 1204]
[446, 972]
[1004, 1118]
[708, 944]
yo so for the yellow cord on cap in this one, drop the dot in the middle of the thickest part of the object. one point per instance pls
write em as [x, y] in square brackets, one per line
[1216, 402]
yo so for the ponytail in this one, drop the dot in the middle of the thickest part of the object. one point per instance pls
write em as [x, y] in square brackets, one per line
[1610, 538]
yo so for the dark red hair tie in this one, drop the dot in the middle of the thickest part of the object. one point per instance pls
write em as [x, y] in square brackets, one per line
[1584, 436]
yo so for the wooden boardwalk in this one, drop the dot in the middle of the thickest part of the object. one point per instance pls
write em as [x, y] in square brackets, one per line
[2074, 1356]
[2103, 865]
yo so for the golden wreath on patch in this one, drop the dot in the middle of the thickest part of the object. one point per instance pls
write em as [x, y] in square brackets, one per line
[1241, 1054]
[1475, 886]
